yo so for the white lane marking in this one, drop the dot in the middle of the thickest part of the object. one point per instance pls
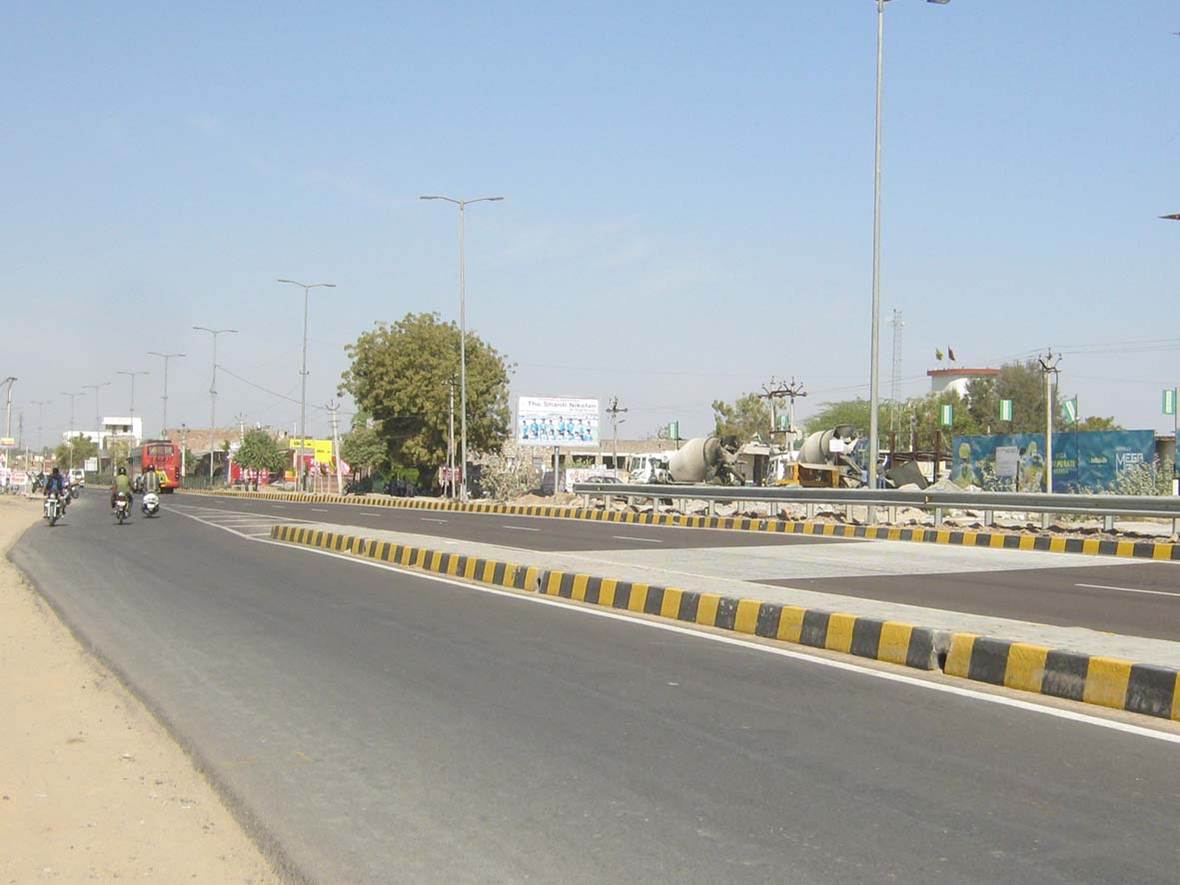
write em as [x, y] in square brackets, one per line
[432, 519]
[371, 513]
[319, 509]
[802, 657]
[644, 540]
[1130, 590]
[520, 528]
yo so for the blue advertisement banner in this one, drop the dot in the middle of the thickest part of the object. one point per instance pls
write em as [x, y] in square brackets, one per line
[1082, 462]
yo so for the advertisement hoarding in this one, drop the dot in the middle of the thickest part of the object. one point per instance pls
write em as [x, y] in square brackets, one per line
[319, 450]
[556, 421]
[1087, 461]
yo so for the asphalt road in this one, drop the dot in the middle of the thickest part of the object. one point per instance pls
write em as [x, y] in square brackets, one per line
[386, 727]
[1131, 598]
[530, 533]
[1135, 599]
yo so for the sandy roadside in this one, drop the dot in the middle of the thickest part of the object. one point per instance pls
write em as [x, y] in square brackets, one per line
[91, 786]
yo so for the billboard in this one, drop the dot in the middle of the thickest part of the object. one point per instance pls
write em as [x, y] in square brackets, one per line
[320, 450]
[556, 421]
[1088, 461]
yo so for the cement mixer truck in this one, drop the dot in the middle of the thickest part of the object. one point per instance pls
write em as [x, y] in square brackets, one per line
[825, 460]
[703, 459]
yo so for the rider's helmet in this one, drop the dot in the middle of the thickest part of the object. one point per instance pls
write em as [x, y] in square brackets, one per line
[56, 470]
[122, 471]
[151, 467]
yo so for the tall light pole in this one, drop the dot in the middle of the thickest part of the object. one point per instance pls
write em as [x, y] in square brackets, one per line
[306, 287]
[97, 413]
[40, 404]
[165, 357]
[213, 390]
[8, 382]
[72, 396]
[462, 204]
[874, 349]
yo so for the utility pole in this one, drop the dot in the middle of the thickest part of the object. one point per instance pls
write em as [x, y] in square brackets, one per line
[241, 419]
[614, 411]
[98, 416]
[8, 382]
[1050, 364]
[771, 392]
[334, 410]
[213, 392]
[792, 390]
[183, 451]
[306, 287]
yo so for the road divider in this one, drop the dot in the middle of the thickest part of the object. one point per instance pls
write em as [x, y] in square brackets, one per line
[1108, 682]
[1046, 543]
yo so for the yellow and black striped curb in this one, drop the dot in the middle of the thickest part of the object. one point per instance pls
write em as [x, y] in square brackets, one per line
[1108, 682]
[1092, 679]
[958, 537]
[890, 641]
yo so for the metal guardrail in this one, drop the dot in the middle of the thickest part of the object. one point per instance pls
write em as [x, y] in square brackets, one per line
[1107, 506]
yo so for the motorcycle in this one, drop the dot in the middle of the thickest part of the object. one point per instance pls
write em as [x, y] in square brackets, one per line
[53, 509]
[122, 508]
[151, 504]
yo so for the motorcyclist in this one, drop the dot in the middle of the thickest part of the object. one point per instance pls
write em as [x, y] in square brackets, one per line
[149, 481]
[122, 486]
[55, 484]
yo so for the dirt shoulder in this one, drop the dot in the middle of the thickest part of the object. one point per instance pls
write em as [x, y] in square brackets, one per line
[91, 785]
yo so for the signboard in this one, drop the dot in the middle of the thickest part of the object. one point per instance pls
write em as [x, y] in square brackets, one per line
[1007, 461]
[320, 450]
[7, 441]
[1082, 462]
[91, 465]
[20, 478]
[1170, 401]
[556, 421]
[1069, 410]
[674, 430]
[1005, 410]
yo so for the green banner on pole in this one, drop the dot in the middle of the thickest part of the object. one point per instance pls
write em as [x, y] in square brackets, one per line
[1170, 401]
[1069, 410]
[1005, 410]
[948, 415]
[674, 430]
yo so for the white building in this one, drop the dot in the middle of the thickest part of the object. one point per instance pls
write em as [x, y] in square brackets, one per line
[957, 379]
[113, 427]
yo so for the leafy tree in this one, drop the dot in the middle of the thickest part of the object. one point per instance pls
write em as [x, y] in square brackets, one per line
[738, 423]
[400, 374]
[82, 448]
[363, 448]
[1024, 384]
[260, 451]
[852, 411]
[1096, 422]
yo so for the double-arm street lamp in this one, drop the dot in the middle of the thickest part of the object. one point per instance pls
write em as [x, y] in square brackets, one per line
[72, 396]
[462, 204]
[306, 287]
[166, 357]
[874, 350]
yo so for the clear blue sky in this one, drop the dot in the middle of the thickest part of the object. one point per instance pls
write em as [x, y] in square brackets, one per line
[688, 194]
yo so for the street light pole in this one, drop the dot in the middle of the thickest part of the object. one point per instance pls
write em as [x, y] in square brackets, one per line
[462, 204]
[132, 375]
[72, 397]
[166, 357]
[97, 414]
[306, 287]
[213, 391]
[874, 349]
[40, 404]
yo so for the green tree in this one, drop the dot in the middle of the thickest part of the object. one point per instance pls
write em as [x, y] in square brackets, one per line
[400, 374]
[851, 411]
[1096, 422]
[82, 448]
[1024, 384]
[739, 422]
[363, 448]
[260, 451]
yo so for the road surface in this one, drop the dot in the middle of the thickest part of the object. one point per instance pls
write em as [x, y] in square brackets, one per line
[379, 726]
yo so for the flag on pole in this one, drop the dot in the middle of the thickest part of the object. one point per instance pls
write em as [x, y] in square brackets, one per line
[782, 423]
[674, 430]
[1005, 410]
[1170, 401]
[948, 415]
[1069, 410]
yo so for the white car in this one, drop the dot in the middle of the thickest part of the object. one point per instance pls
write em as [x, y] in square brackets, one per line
[78, 477]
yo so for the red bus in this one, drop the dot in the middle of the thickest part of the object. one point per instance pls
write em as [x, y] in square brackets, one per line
[165, 457]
